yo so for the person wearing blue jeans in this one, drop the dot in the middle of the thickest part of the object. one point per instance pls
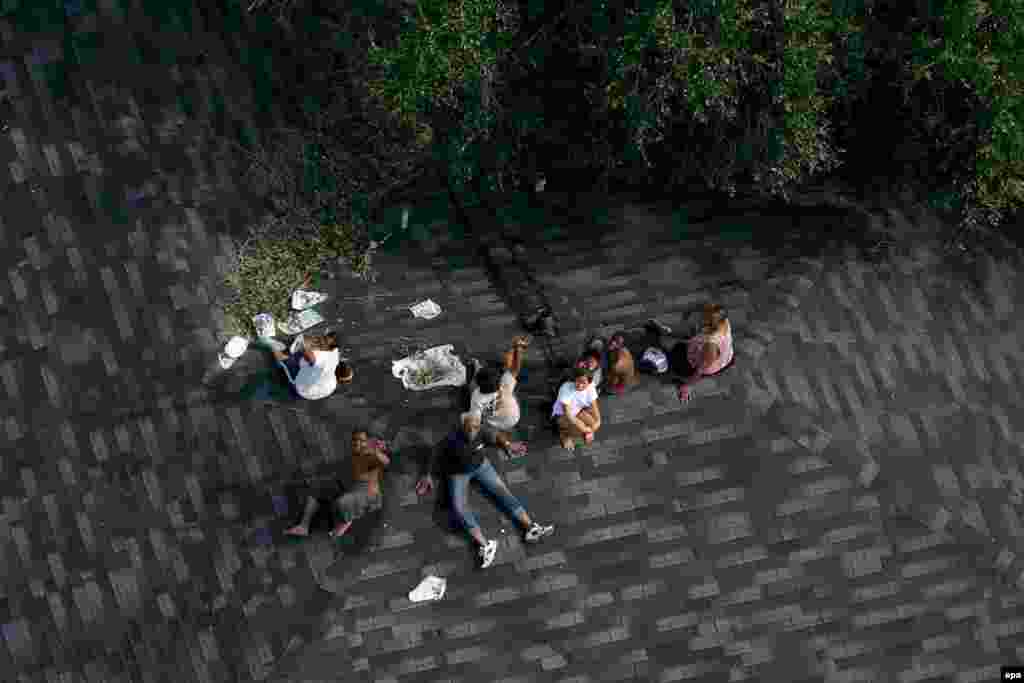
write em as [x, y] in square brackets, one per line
[465, 461]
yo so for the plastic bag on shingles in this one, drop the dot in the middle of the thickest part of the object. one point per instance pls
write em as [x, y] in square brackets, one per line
[654, 361]
[445, 368]
[303, 299]
[430, 588]
[300, 321]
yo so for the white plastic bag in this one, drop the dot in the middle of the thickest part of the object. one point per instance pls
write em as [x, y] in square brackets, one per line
[300, 321]
[426, 309]
[303, 299]
[264, 324]
[236, 346]
[654, 359]
[430, 588]
[434, 367]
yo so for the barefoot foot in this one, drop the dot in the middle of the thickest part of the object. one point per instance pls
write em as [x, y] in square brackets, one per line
[340, 530]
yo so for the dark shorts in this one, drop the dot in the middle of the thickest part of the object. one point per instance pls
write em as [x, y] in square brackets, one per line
[675, 352]
[678, 359]
[325, 491]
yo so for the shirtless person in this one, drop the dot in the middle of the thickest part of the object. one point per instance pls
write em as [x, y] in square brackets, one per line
[622, 372]
[368, 462]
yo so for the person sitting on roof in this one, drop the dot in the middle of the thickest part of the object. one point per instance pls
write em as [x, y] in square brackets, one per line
[315, 369]
[705, 354]
[622, 372]
[576, 411]
[369, 458]
[494, 401]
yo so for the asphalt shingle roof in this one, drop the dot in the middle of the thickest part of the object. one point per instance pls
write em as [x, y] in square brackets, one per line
[844, 504]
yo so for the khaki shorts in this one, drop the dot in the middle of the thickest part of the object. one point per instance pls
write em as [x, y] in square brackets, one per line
[358, 502]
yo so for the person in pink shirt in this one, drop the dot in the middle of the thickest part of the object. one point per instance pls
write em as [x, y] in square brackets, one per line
[706, 353]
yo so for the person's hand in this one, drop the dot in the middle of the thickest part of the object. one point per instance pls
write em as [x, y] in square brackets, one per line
[516, 449]
[684, 393]
[424, 486]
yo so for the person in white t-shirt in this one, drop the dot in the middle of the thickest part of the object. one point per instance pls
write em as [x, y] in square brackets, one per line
[576, 410]
[493, 400]
[311, 370]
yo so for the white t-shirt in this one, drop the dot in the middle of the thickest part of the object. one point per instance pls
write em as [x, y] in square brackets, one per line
[577, 400]
[486, 405]
[317, 381]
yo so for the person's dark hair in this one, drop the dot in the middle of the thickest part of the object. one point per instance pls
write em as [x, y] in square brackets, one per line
[343, 372]
[487, 380]
[581, 372]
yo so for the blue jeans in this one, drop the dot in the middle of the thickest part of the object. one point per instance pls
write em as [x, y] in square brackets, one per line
[291, 370]
[493, 486]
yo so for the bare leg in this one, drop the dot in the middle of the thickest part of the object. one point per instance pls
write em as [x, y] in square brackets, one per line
[340, 529]
[302, 528]
[588, 418]
[567, 433]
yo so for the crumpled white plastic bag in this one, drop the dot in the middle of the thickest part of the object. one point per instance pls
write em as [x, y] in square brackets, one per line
[426, 309]
[445, 367]
[300, 321]
[303, 299]
[430, 588]
[655, 359]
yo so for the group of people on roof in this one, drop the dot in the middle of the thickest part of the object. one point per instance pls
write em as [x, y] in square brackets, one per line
[493, 413]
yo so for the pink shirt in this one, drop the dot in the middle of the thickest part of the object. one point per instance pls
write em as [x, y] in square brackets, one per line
[722, 339]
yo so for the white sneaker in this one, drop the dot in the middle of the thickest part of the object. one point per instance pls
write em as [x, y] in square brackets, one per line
[487, 552]
[537, 532]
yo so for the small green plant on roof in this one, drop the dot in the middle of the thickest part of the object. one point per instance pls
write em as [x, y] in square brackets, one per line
[268, 269]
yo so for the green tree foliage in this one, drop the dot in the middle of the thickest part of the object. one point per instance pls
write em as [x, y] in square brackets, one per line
[729, 94]
[984, 47]
[446, 45]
